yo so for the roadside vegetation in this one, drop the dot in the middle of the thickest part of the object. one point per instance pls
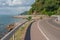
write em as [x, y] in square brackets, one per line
[29, 18]
[20, 32]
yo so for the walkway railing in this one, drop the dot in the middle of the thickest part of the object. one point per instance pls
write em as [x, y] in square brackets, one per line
[11, 33]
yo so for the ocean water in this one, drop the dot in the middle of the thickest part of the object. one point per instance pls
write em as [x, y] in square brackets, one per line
[4, 21]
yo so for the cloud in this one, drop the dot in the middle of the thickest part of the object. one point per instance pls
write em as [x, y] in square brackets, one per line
[17, 2]
[3, 3]
[15, 6]
[14, 2]
[22, 9]
[19, 9]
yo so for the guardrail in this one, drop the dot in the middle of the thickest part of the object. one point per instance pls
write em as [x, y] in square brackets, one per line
[9, 34]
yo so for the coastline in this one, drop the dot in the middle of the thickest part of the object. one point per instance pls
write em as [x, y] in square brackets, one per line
[13, 25]
[13, 21]
[9, 34]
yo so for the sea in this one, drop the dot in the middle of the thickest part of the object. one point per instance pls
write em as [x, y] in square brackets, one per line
[4, 21]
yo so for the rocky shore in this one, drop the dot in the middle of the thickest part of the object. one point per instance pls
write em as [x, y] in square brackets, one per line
[11, 26]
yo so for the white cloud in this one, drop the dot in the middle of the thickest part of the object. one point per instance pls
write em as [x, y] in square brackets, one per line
[17, 2]
[14, 2]
[22, 9]
[3, 4]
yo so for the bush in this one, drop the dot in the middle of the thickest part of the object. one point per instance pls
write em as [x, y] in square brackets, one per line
[29, 18]
[49, 14]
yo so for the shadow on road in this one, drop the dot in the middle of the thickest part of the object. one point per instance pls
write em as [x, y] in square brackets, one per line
[27, 36]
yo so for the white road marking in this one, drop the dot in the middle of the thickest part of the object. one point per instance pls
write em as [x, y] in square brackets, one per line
[42, 31]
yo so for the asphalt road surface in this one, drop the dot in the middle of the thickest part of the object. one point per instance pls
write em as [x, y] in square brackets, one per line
[46, 29]
[50, 29]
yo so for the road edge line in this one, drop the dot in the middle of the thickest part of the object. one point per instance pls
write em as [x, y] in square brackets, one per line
[42, 31]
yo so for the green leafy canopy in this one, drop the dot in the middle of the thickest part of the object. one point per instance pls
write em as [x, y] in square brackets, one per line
[48, 7]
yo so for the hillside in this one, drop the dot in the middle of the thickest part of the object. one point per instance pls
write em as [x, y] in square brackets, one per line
[24, 13]
[48, 7]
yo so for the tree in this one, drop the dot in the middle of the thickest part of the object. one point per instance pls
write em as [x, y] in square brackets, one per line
[49, 7]
[58, 11]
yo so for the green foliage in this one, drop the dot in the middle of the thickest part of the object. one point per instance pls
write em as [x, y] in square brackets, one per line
[29, 18]
[49, 7]
[58, 11]
[49, 13]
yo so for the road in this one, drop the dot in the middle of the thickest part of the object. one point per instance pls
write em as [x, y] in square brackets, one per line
[46, 29]
[50, 28]
[35, 33]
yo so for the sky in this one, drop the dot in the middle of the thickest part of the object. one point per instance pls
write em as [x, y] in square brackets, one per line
[15, 5]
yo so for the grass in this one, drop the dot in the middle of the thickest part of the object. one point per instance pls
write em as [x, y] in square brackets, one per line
[18, 34]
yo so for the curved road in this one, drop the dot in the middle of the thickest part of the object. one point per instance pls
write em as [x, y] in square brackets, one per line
[50, 28]
[46, 29]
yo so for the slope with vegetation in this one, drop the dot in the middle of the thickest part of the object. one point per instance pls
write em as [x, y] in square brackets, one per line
[47, 7]
[24, 13]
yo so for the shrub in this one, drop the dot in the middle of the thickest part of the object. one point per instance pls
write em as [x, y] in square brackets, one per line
[29, 18]
[49, 14]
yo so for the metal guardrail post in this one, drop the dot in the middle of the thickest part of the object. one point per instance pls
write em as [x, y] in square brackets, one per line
[13, 37]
